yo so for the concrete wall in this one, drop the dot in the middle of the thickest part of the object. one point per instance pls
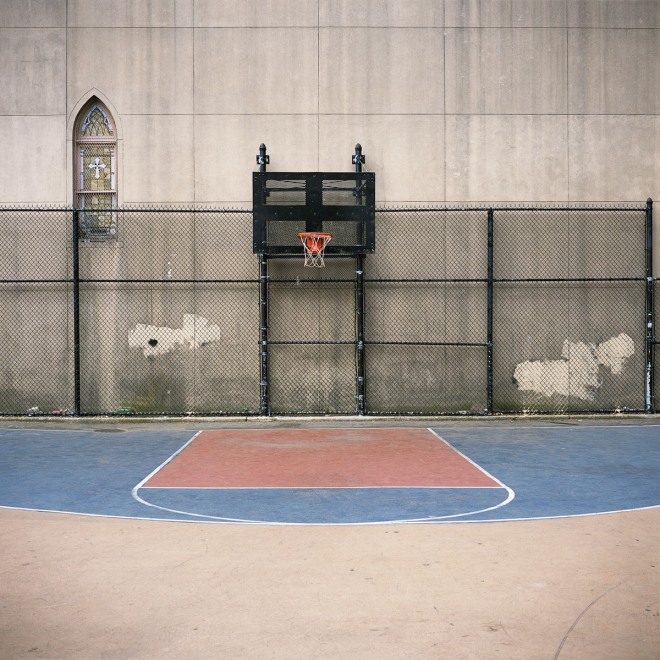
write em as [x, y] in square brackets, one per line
[454, 100]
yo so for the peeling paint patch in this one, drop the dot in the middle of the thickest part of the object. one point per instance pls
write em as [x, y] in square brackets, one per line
[576, 373]
[158, 340]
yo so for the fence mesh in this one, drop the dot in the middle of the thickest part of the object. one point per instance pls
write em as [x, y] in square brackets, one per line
[167, 315]
[459, 311]
[569, 298]
[37, 373]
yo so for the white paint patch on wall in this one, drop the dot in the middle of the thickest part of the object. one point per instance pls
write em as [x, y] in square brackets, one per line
[614, 352]
[157, 340]
[576, 374]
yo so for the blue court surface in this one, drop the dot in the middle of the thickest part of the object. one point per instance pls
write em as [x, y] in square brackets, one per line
[539, 470]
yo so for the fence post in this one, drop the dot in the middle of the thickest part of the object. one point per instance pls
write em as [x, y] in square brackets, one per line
[489, 316]
[358, 159]
[76, 312]
[650, 341]
[264, 403]
[359, 322]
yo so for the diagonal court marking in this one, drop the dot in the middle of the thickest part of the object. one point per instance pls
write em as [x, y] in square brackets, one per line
[319, 458]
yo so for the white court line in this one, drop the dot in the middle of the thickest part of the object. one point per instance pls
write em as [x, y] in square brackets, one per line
[510, 495]
[443, 520]
[210, 518]
[451, 447]
[134, 492]
[321, 487]
[510, 492]
[469, 460]
[281, 524]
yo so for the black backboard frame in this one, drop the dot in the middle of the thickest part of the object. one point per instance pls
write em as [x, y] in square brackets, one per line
[343, 203]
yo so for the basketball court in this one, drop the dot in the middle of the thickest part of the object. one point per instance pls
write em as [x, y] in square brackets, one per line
[365, 474]
[371, 538]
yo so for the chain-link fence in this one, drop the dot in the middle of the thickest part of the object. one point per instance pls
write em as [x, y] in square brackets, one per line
[569, 310]
[458, 311]
[36, 299]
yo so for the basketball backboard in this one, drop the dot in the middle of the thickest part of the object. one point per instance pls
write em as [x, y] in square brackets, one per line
[287, 203]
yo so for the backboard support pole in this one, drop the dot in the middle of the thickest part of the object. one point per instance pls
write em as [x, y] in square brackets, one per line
[357, 160]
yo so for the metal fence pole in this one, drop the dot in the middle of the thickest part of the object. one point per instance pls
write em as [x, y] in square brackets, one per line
[357, 160]
[650, 342]
[264, 404]
[489, 319]
[76, 312]
[359, 322]
[263, 333]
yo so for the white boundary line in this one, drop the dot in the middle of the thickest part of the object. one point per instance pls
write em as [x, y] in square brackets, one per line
[321, 487]
[134, 492]
[469, 460]
[219, 520]
[510, 494]
[265, 522]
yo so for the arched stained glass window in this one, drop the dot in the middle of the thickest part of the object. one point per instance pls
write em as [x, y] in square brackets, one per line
[96, 172]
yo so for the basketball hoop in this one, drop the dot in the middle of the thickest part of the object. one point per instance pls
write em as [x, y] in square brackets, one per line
[314, 243]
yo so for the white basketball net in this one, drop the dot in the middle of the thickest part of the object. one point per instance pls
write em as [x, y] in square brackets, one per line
[314, 246]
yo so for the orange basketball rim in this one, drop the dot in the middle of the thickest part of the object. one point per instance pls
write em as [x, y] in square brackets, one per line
[314, 243]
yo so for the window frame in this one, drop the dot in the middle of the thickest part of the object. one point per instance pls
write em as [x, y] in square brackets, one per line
[89, 226]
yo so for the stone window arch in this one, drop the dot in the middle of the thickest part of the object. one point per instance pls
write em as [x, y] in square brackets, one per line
[95, 171]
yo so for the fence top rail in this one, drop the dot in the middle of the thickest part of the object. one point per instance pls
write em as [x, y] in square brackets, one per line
[33, 209]
[147, 209]
[526, 208]
[122, 209]
[523, 206]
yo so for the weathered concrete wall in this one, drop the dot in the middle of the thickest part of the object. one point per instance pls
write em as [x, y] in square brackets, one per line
[454, 101]
[461, 100]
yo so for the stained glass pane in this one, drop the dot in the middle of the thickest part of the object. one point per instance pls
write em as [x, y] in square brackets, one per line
[96, 124]
[96, 217]
[96, 167]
